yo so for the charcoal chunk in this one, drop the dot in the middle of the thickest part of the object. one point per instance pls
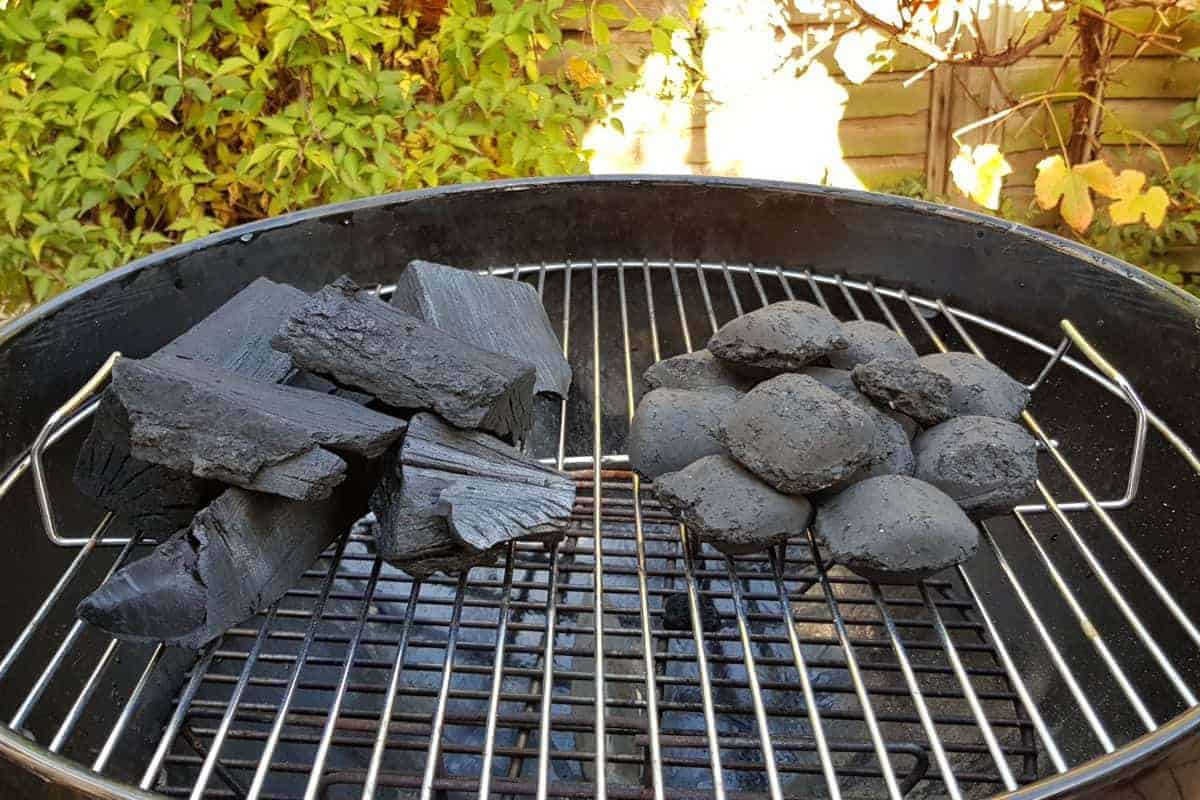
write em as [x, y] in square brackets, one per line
[986, 465]
[303, 379]
[190, 416]
[978, 387]
[868, 341]
[494, 314]
[360, 341]
[727, 506]
[158, 500]
[677, 613]
[842, 384]
[895, 528]
[797, 435]
[449, 496]
[907, 387]
[696, 370]
[671, 428]
[781, 337]
[240, 555]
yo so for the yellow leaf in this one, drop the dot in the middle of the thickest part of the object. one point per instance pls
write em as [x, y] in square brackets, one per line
[858, 55]
[1129, 183]
[1055, 182]
[1152, 205]
[582, 73]
[1100, 177]
[979, 173]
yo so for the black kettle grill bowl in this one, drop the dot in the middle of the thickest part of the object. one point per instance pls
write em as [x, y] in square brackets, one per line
[1061, 665]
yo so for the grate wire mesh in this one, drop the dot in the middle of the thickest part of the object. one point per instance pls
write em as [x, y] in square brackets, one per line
[551, 673]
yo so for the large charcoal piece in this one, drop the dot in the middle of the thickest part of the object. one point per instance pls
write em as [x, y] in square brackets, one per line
[361, 341]
[798, 435]
[986, 465]
[282, 440]
[978, 387]
[239, 556]
[450, 496]
[671, 428]
[906, 386]
[495, 314]
[159, 500]
[868, 341]
[781, 337]
[728, 507]
[696, 370]
[895, 528]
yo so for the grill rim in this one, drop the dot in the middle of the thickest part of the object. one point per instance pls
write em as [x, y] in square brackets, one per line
[1092, 774]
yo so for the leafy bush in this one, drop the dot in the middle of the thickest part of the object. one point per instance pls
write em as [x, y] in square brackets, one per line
[127, 125]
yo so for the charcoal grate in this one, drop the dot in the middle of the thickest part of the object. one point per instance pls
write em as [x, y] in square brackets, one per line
[537, 675]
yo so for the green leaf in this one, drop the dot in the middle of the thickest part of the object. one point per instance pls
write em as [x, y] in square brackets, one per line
[76, 28]
[121, 49]
[661, 41]
[638, 25]
[610, 12]
[601, 33]
[576, 12]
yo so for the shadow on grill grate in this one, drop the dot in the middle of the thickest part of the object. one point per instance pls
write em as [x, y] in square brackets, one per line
[816, 684]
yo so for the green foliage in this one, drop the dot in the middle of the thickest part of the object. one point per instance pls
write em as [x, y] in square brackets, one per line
[128, 125]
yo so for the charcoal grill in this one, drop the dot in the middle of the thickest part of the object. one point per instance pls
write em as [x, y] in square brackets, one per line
[1061, 661]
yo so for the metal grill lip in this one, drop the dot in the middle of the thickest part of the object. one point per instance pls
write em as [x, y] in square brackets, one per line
[1091, 772]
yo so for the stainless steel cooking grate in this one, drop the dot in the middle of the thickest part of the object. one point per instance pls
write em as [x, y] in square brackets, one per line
[1057, 644]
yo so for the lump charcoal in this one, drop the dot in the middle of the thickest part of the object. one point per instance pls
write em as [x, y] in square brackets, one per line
[986, 465]
[361, 341]
[905, 386]
[728, 507]
[895, 527]
[868, 341]
[696, 370]
[978, 387]
[798, 435]
[494, 314]
[842, 384]
[240, 555]
[217, 424]
[781, 337]
[671, 428]
[303, 379]
[157, 500]
[451, 494]
[677, 613]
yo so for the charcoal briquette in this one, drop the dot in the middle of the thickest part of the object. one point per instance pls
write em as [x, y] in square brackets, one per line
[842, 384]
[671, 428]
[978, 387]
[987, 465]
[798, 435]
[867, 341]
[895, 528]
[360, 341]
[728, 507]
[695, 370]
[782, 337]
[494, 314]
[907, 387]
